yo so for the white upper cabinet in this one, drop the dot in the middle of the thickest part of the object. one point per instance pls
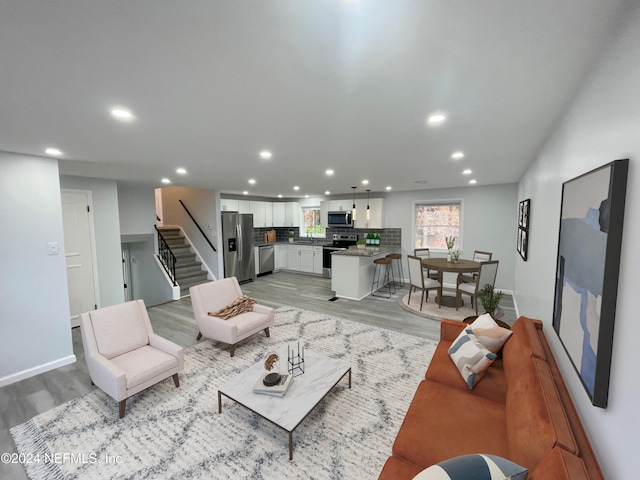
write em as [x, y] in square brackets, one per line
[259, 210]
[292, 214]
[244, 206]
[376, 207]
[228, 205]
[340, 205]
[278, 214]
[324, 210]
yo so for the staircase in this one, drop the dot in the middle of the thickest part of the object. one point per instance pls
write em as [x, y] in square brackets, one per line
[189, 270]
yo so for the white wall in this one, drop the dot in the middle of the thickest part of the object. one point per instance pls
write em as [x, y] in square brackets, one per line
[489, 223]
[34, 300]
[106, 220]
[203, 206]
[602, 125]
[137, 209]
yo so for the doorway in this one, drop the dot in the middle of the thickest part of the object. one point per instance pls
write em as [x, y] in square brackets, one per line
[79, 251]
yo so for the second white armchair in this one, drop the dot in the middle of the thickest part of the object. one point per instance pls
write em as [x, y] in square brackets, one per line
[212, 297]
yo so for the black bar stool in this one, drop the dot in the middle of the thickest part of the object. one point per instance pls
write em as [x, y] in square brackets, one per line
[398, 258]
[385, 288]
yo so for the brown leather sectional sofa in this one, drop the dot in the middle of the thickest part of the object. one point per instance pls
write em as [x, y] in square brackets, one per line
[520, 410]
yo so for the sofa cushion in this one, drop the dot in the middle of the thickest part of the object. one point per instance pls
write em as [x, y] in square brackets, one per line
[536, 419]
[442, 370]
[560, 465]
[471, 357]
[439, 423]
[475, 467]
[143, 364]
[489, 333]
[119, 329]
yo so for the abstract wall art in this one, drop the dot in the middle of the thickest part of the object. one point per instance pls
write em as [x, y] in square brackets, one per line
[590, 238]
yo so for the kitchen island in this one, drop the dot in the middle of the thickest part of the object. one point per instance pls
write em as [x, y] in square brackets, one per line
[352, 270]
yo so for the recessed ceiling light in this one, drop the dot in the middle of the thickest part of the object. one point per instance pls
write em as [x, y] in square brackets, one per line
[436, 119]
[252, 181]
[279, 195]
[388, 188]
[165, 180]
[296, 188]
[181, 171]
[266, 154]
[306, 196]
[467, 172]
[365, 182]
[122, 113]
[245, 193]
[327, 192]
[329, 172]
[53, 152]
[473, 181]
[457, 155]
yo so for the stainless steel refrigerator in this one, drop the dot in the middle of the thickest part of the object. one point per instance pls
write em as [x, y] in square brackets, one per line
[237, 241]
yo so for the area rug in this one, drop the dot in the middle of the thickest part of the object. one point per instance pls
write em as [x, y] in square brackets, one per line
[431, 310]
[173, 432]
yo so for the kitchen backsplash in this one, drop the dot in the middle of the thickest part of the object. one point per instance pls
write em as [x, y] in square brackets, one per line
[388, 236]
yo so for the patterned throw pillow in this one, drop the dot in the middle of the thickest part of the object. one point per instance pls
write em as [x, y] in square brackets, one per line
[471, 357]
[474, 467]
[489, 333]
[240, 305]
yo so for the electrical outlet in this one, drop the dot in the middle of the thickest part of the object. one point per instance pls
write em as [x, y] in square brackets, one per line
[53, 248]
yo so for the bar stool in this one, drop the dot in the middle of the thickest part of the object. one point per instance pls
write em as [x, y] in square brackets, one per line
[398, 258]
[385, 288]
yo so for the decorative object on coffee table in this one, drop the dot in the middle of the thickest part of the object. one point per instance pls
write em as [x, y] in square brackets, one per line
[295, 361]
[273, 378]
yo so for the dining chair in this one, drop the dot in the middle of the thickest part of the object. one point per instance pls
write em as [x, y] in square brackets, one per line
[423, 252]
[478, 256]
[417, 280]
[486, 276]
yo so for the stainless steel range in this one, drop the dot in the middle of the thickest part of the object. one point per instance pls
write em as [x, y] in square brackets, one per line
[341, 241]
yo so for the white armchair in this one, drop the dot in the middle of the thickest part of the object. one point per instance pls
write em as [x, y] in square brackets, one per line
[123, 354]
[214, 296]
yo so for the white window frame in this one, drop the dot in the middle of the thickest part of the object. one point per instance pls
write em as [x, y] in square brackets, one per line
[303, 227]
[450, 201]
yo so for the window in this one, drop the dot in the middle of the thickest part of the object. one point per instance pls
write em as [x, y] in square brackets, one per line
[311, 226]
[437, 220]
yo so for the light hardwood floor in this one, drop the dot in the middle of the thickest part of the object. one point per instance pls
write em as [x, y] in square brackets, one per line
[23, 400]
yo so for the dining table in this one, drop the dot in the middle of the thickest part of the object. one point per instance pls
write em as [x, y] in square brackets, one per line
[442, 265]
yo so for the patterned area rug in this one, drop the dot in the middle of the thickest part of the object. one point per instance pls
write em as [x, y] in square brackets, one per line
[431, 310]
[173, 432]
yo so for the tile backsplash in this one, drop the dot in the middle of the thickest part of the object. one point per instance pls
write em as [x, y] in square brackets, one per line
[388, 236]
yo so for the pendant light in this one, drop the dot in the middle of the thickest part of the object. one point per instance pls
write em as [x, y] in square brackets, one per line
[368, 208]
[353, 210]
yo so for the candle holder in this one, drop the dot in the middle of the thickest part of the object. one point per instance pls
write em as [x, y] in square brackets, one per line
[295, 360]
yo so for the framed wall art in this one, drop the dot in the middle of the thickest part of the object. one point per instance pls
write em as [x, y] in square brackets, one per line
[522, 243]
[588, 261]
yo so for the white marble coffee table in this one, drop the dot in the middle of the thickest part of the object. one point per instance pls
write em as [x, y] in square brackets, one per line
[320, 375]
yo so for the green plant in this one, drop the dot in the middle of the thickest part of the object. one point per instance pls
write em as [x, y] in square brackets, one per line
[490, 298]
[361, 242]
[451, 241]
[291, 234]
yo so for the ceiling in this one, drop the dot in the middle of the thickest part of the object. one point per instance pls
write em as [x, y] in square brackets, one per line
[323, 84]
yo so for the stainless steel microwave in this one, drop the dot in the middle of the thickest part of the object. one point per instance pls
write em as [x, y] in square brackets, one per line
[339, 219]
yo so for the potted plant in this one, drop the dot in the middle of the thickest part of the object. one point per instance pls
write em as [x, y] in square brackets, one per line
[490, 299]
[291, 236]
[360, 244]
[451, 241]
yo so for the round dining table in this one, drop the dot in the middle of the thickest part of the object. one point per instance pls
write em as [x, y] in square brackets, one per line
[441, 265]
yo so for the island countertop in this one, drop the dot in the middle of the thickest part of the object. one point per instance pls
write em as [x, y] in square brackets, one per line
[367, 251]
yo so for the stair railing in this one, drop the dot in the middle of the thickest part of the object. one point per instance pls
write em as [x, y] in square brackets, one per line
[167, 258]
[198, 226]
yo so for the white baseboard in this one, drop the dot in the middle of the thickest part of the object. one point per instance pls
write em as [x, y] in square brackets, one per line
[37, 370]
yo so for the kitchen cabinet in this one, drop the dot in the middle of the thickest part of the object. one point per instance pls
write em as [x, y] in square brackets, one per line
[256, 255]
[324, 210]
[340, 205]
[306, 259]
[262, 214]
[228, 205]
[292, 214]
[244, 206]
[376, 207]
[317, 260]
[278, 213]
[293, 258]
[281, 252]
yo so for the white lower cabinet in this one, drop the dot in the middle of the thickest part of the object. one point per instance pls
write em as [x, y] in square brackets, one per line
[281, 260]
[317, 260]
[299, 258]
[306, 259]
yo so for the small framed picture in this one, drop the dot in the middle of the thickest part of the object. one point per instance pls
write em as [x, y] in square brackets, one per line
[524, 213]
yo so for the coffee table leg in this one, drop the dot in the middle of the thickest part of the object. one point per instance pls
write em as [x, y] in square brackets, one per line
[290, 445]
[219, 402]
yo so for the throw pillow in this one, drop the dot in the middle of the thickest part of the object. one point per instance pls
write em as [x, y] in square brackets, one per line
[489, 333]
[240, 305]
[471, 357]
[474, 467]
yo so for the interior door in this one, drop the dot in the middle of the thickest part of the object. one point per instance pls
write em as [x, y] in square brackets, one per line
[79, 252]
